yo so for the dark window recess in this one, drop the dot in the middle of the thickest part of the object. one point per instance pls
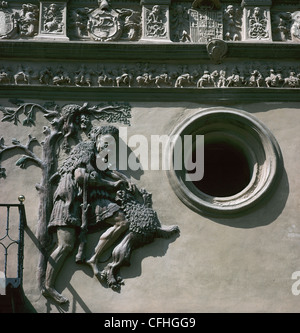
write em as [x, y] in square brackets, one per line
[226, 170]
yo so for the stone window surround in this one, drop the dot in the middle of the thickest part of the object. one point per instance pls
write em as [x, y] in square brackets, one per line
[243, 130]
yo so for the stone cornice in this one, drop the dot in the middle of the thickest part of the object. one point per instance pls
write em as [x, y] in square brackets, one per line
[137, 51]
[223, 96]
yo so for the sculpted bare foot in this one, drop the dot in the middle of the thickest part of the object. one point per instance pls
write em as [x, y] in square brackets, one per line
[94, 267]
[54, 294]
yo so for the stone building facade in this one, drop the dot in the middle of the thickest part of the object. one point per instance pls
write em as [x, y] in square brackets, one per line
[227, 71]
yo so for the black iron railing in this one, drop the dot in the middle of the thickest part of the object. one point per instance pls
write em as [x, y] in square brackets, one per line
[13, 234]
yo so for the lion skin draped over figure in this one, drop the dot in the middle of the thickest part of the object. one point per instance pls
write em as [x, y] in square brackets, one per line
[87, 200]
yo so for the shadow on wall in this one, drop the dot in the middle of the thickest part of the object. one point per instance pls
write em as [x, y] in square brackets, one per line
[158, 248]
[265, 212]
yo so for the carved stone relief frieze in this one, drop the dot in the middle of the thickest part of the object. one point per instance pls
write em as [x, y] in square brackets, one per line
[189, 22]
[218, 73]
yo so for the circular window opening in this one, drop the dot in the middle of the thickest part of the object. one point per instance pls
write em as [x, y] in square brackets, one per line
[226, 170]
[242, 162]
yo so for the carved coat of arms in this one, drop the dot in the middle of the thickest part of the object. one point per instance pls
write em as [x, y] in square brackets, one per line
[205, 24]
[8, 25]
[104, 25]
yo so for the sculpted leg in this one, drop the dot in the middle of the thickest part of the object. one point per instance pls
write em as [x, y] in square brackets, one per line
[108, 238]
[120, 257]
[65, 240]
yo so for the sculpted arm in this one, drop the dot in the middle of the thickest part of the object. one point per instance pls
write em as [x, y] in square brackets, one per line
[114, 174]
[94, 179]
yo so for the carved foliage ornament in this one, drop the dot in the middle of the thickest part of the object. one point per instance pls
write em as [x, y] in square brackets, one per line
[258, 23]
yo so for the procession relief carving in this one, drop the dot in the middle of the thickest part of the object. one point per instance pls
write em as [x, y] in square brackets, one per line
[78, 197]
[219, 73]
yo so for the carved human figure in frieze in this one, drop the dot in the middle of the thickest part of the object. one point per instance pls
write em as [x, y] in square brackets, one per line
[83, 76]
[105, 78]
[185, 79]
[208, 79]
[256, 79]
[125, 78]
[5, 75]
[295, 29]
[46, 75]
[61, 77]
[236, 79]
[222, 80]
[53, 18]
[233, 23]
[23, 75]
[180, 24]
[293, 80]
[156, 22]
[274, 79]
[281, 26]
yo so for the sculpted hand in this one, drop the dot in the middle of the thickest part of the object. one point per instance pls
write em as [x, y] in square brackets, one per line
[131, 186]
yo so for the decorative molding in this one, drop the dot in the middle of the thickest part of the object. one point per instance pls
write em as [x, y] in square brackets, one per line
[239, 129]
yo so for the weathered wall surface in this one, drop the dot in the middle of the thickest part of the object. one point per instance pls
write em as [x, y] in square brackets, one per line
[237, 264]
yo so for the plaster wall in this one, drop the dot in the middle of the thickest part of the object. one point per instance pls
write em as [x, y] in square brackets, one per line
[240, 264]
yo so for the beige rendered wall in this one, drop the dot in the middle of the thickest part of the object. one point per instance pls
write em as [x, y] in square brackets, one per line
[242, 264]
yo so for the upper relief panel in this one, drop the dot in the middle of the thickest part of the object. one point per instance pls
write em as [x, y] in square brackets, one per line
[18, 20]
[156, 21]
[106, 22]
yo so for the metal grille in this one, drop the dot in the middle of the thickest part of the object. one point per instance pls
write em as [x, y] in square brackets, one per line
[12, 224]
